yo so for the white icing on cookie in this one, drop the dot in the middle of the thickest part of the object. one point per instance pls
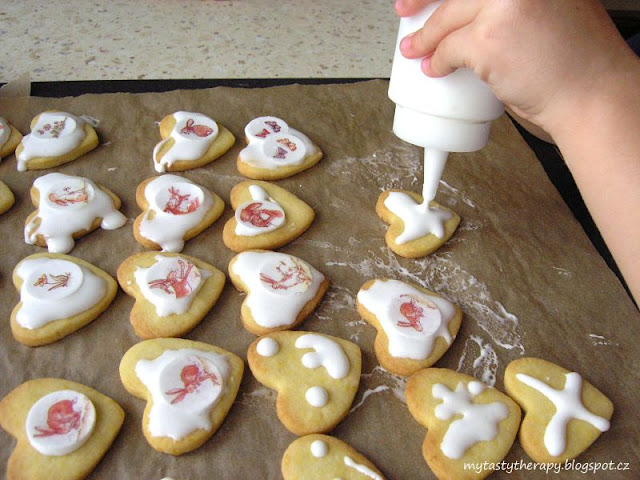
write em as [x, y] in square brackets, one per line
[479, 421]
[273, 144]
[5, 131]
[55, 134]
[184, 385]
[411, 319]
[61, 422]
[69, 204]
[53, 289]
[317, 396]
[319, 448]
[568, 404]
[170, 284]
[260, 215]
[267, 347]
[327, 353]
[192, 135]
[279, 286]
[419, 219]
[362, 469]
[176, 205]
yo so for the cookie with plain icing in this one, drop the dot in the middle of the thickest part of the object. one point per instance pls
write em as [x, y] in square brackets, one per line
[275, 150]
[56, 138]
[189, 140]
[266, 217]
[173, 292]
[175, 209]
[467, 422]
[564, 414]
[411, 232]
[62, 429]
[6, 198]
[321, 456]
[59, 294]
[10, 138]
[316, 377]
[282, 290]
[69, 207]
[189, 388]
[415, 326]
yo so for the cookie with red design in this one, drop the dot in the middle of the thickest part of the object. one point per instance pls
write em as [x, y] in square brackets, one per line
[62, 429]
[173, 292]
[9, 138]
[175, 209]
[189, 388]
[189, 140]
[415, 326]
[275, 150]
[266, 217]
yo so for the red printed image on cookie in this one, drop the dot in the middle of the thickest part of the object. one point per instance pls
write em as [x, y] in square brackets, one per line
[275, 150]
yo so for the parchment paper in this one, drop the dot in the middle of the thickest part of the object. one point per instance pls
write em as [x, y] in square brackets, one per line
[526, 276]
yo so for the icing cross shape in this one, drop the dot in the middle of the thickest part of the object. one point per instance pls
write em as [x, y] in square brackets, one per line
[568, 406]
[479, 422]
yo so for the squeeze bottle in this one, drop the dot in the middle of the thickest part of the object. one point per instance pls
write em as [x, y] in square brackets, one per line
[446, 114]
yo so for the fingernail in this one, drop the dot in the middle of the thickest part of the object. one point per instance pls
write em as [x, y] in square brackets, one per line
[426, 66]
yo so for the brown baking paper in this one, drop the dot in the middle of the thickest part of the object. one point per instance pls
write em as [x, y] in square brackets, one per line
[526, 276]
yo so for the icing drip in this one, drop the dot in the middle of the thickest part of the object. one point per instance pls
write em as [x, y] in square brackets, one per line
[267, 347]
[273, 144]
[170, 284]
[568, 405]
[61, 422]
[184, 385]
[176, 205]
[421, 219]
[5, 131]
[260, 215]
[479, 421]
[276, 279]
[192, 135]
[55, 134]
[319, 448]
[327, 353]
[53, 289]
[364, 470]
[69, 204]
[411, 320]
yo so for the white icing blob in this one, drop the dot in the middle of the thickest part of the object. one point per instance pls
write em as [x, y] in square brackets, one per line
[185, 385]
[419, 219]
[279, 286]
[327, 353]
[176, 205]
[61, 422]
[479, 421]
[317, 396]
[170, 284]
[411, 320]
[568, 405]
[260, 215]
[192, 135]
[55, 134]
[69, 204]
[362, 469]
[53, 289]
[319, 448]
[267, 347]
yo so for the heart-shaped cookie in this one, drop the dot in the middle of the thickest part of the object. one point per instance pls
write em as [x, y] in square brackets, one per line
[189, 388]
[316, 377]
[7, 199]
[282, 290]
[468, 422]
[62, 429]
[173, 292]
[415, 230]
[415, 326]
[9, 138]
[321, 456]
[564, 414]
[266, 217]
[175, 209]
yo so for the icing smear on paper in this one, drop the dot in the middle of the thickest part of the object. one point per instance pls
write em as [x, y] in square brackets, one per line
[485, 364]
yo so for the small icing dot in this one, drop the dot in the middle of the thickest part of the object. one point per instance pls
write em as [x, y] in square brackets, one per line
[267, 347]
[319, 448]
[317, 396]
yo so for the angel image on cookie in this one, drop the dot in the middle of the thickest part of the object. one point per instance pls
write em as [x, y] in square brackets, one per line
[176, 282]
[61, 419]
[291, 275]
[180, 204]
[259, 217]
[70, 197]
[413, 313]
[192, 376]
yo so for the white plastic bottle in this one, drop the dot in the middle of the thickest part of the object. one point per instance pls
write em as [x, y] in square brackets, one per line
[447, 114]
